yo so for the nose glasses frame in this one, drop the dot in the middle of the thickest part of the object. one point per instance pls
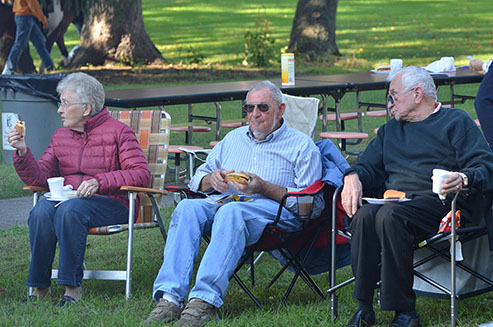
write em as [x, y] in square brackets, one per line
[250, 107]
[392, 98]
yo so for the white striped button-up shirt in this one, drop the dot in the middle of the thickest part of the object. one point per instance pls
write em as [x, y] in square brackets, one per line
[287, 158]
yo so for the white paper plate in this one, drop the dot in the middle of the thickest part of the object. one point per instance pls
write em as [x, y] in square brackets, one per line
[67, 195]
[384, 201]
[380, 72]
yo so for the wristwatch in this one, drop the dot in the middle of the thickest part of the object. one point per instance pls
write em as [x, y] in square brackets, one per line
[465, 180]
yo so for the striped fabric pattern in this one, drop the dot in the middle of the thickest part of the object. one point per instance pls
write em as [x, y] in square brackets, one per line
[152, 128]
[287, 158]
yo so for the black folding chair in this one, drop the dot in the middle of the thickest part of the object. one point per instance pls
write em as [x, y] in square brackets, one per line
[480, 231]
[433, 255]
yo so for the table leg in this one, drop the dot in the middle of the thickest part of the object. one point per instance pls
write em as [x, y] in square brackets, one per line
[218, 121]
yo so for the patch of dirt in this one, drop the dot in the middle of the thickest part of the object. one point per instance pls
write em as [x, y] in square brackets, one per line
[154, 74]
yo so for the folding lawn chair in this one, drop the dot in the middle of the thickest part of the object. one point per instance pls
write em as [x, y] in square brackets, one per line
[301, 114]
[152, 131]
[295, 247]
[436, 256]
[435, 259]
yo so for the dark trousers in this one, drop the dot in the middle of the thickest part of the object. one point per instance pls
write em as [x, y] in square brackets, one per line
[382, 248]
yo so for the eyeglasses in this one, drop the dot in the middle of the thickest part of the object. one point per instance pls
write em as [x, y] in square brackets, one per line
[68, 104]
[393, 97]
[250, 107]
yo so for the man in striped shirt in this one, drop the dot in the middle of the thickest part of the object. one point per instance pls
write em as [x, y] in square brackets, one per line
[277, 159]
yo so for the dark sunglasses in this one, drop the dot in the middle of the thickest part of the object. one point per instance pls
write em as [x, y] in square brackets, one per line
[250, 107]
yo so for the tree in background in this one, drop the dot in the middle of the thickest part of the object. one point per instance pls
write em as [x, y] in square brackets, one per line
[114, 31]
[313, 34]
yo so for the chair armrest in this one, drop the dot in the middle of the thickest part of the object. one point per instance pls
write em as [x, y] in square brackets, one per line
[35, 188]
[185, 191]
[309, 191]
[142, 189]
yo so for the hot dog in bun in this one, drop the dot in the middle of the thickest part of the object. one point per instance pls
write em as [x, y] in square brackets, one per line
[393, 194]
[237, 177]
[20, 126]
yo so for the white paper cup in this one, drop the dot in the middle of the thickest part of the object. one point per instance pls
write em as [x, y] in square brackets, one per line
[56, 186]
[448, 64]
[439, 176]
[395, 65]
[305, 206]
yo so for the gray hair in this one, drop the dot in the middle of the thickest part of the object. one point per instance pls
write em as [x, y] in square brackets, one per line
[275, 92]
[413, 76]
[87, 88]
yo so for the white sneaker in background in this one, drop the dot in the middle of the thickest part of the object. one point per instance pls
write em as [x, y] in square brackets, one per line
[72, 53]
[7, 70]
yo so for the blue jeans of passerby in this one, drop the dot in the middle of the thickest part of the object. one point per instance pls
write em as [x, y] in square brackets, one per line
[27, 29]
[231, 226]
[68, 225]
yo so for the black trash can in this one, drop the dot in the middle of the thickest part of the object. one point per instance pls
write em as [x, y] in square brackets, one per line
[33, 99]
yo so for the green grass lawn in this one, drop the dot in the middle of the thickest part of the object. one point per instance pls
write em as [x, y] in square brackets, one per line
[417, 31]
[104, 302]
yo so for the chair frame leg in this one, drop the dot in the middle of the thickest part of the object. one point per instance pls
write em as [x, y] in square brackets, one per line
[131, 209]
[157, 215]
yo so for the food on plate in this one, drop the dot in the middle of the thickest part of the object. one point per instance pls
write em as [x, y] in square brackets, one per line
[20, 126]
[382, 67]
[393, 194]
[237, 177]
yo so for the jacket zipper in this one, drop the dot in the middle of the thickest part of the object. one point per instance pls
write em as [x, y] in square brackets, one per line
[80, 156]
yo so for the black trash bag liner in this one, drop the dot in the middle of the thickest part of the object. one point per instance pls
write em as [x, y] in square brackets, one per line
[43, 86]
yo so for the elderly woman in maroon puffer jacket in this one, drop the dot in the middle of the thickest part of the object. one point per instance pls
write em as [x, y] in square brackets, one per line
[96, 154]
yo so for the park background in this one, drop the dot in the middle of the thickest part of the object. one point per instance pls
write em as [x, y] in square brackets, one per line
[204, 42]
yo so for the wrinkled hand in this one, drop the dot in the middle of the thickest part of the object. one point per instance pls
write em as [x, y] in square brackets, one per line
[216, 179]
[352, 194]
[452, 184]
[476, 64]
[88, 188]
[17, 141]
[254, 186]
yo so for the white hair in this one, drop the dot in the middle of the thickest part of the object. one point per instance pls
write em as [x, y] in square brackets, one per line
[87, 88]
[275, 92]
[413, 76]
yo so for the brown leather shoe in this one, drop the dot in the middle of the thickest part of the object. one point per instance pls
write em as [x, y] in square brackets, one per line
[164, 311]
[197, 313]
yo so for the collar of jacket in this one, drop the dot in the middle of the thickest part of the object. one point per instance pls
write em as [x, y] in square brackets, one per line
[97, 120]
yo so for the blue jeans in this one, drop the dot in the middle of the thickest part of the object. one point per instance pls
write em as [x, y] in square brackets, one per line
[231, 226]
[27, 29]
[66, 224]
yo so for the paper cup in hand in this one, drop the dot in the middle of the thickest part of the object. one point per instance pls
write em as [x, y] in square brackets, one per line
[439, 177]
[56, 186]
[305, 206]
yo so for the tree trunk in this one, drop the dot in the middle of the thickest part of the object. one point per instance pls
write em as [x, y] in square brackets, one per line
[25, 64]
[314, 29]
[113, 32]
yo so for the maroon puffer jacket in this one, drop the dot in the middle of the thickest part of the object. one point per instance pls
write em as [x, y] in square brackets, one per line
[107, 151]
